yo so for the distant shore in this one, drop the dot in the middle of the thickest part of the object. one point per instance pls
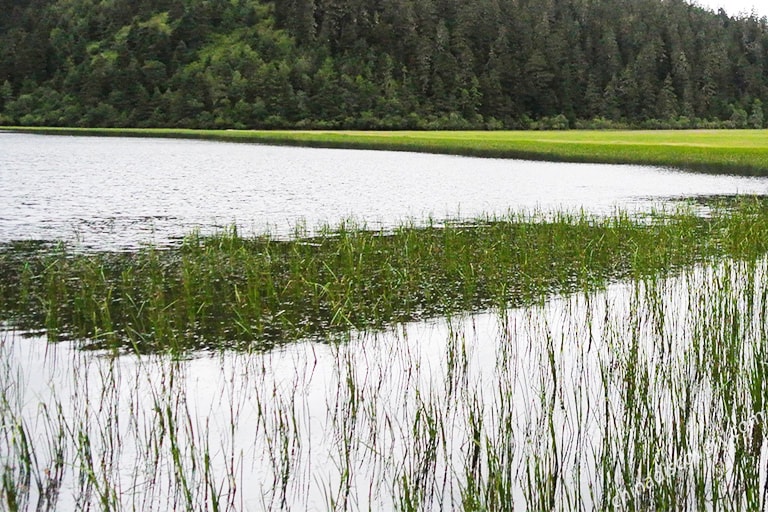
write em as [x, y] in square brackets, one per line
[742, 152]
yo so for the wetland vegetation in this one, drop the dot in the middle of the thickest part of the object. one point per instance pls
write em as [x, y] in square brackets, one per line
[540, 362]
[228, 290]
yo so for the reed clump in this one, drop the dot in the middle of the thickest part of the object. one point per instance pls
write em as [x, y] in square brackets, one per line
[645, 394]
[228, 290]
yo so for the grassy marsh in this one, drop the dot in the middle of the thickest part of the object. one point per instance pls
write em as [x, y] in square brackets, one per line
[649, 394]
[724, 151]
[551, 362]
[229, 291]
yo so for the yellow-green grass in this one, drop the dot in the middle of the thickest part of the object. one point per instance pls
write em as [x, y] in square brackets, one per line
[724, 151]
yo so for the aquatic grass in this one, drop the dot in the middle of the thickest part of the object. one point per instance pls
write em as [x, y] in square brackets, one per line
[231, 291]
[646, 394]
[562, 362]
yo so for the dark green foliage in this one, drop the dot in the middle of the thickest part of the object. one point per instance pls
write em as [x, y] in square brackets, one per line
[388, 64]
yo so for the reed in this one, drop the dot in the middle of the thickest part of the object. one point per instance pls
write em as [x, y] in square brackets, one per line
[620, 366]
[231, 291]
[648, 394]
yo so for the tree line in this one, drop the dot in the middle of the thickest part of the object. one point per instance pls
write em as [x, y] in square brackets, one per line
[384, 64]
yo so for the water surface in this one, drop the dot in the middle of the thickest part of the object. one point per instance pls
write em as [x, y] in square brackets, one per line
[124, 192]
[573, 400]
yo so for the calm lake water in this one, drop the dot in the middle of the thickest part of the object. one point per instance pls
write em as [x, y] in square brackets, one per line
[539, 396]
[124, 192]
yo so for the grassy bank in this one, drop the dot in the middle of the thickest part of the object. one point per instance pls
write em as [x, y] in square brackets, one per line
[226, 290]
[720, 151]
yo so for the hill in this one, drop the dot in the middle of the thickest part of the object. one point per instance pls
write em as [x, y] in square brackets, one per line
[381, 64]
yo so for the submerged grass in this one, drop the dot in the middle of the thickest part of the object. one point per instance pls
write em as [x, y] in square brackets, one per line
[646, 394]
[721, 151]
[649, 395]
[233, 291]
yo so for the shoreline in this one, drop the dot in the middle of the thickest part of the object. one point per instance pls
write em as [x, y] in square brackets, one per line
[738, 152]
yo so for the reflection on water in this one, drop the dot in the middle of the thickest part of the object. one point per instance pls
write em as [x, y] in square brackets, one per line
[116, 192]
[560, 406]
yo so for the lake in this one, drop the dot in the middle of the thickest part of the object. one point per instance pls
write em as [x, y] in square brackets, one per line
[126, 192]
[566, 403]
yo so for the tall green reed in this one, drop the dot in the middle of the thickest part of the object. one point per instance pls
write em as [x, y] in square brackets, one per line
[645, 395]
[229, 291]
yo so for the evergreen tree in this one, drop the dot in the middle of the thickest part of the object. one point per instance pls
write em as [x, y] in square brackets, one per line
[756, 116]
[378, 63]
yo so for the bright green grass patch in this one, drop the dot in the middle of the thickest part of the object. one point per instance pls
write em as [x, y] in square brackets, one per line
[231, 291]
[724, 151]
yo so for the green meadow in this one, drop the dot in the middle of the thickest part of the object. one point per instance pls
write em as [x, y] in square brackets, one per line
[720, 151]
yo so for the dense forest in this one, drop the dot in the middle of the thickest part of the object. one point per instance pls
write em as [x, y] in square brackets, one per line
[380, 64]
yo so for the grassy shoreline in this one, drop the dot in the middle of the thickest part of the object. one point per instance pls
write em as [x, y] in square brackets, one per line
[743, 152]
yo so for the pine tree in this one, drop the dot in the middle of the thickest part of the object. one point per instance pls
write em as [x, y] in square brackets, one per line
[756, 116]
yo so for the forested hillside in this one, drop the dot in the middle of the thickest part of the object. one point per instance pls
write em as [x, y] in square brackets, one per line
[379, 64]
